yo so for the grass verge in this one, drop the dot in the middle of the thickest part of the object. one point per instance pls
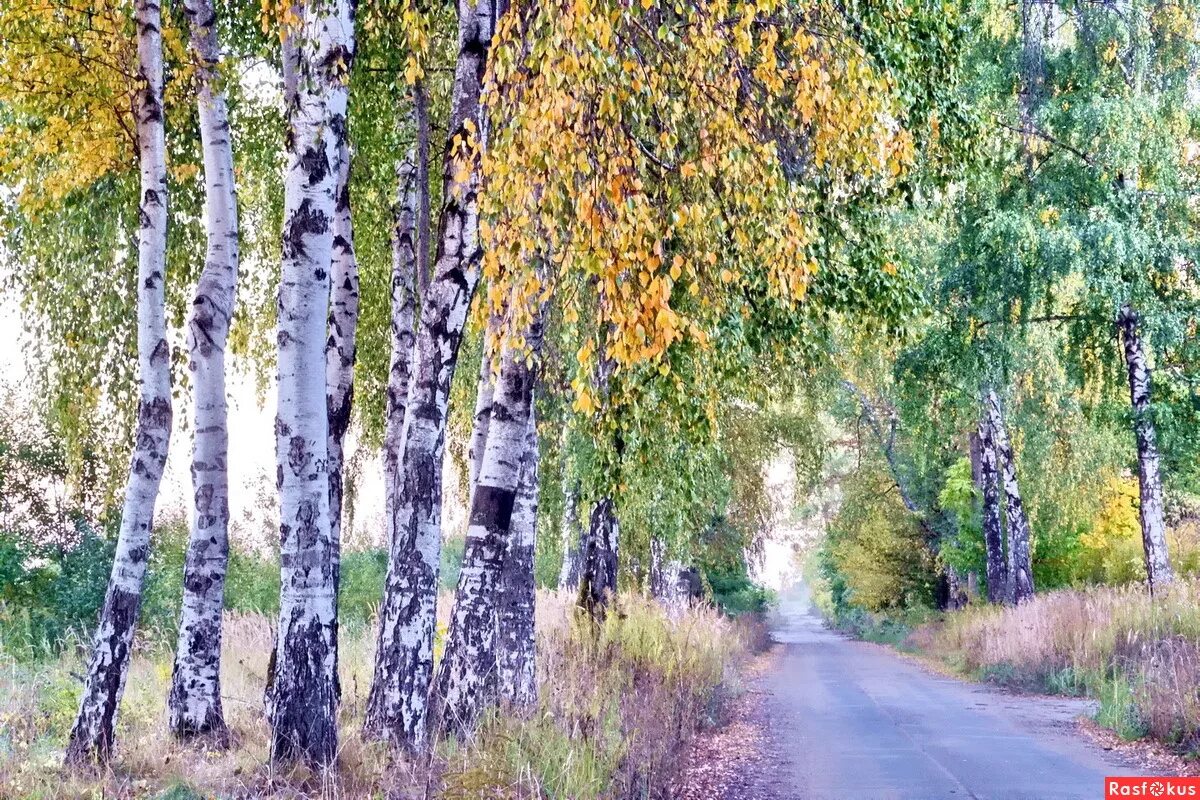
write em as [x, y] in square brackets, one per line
[1138, 656]
[618, 704]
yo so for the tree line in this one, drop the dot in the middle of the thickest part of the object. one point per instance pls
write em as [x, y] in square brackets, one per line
[1055, 361]
[653, 221]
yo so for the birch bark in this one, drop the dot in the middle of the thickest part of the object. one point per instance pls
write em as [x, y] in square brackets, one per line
[303, 708]
[341, 348]
[491, 593]
[572, 535]
[91, 736]
[993, 533]
[517, 646]
[1020, 560]
[405, 267]
[598, 579]
[1154, 537]
[398, 704]
[194, 703]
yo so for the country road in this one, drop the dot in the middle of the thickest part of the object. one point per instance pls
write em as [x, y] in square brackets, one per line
[849, 720]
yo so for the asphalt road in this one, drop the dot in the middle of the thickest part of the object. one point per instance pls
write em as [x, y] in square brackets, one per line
[848, 720]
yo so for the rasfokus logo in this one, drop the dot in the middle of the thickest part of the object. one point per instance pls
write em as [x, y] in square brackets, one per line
[1151, 787]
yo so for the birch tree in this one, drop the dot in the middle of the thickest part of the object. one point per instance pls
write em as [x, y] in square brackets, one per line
[516, 661]
[398, 701]
[495, 589]
[1019, 564]
[598, 579]
[304, 691]
[91, 737]
[993, 531]
[194, 704]
[340, 349]
[571, 532]
[1150, 510]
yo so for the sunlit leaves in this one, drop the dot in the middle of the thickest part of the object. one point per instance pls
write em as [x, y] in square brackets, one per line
[672, 157]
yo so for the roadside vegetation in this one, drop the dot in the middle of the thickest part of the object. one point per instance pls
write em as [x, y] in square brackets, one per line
[617, 707]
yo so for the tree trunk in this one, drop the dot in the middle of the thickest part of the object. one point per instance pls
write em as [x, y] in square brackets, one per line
[572, 535]
[398, 703]
[598, 580]
[341, 349]
[405, 267]
[989, 483]
[667, 581]
[405, 272]
[303, 708]
[1035, 18]
[1154, 537]
[488, 588]
[91, 737]
[420, 99]
[1020, 561]
[194, 703]
[483, 408]
[517, 647]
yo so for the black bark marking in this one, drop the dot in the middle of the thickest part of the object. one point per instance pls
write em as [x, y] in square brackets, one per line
[493, 507]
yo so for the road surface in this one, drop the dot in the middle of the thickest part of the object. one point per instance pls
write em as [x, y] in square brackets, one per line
[849, 720]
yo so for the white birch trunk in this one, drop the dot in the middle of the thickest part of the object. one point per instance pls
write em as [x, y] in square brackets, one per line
[601, 559]
[472, 668]
[482, 417]
[341, 349]
[398, 703]
[1017, 533]
[194, 704]
[517, 645]
[993, 531]
[572, 532]
[91, 737]
[303, 707]
[405, 275]
[404, 306]
[1154, 536]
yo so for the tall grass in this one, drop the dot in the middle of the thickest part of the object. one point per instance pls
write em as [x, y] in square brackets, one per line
[618, 703]
[1139, 656]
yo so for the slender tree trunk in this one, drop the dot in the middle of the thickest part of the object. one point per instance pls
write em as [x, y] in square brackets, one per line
[340, 355]
[517, 646]
[486, 601]
[1035, 18]
[667, 584]
[1154, 536]
[91, 737]
[1020, 560]
[657, 557]
[420, 99]
[598, 579]
[572, 535]
[194, 704]
[303, 708]
[483, 407]
[405, 272]
[398, 704]
[341, 349]
[993, 532]
[404, 305]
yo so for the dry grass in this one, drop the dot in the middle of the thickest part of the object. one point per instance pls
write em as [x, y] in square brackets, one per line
[617, 705]
[1139, 656]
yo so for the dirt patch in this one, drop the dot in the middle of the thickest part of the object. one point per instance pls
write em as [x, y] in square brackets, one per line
[1148, 755]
